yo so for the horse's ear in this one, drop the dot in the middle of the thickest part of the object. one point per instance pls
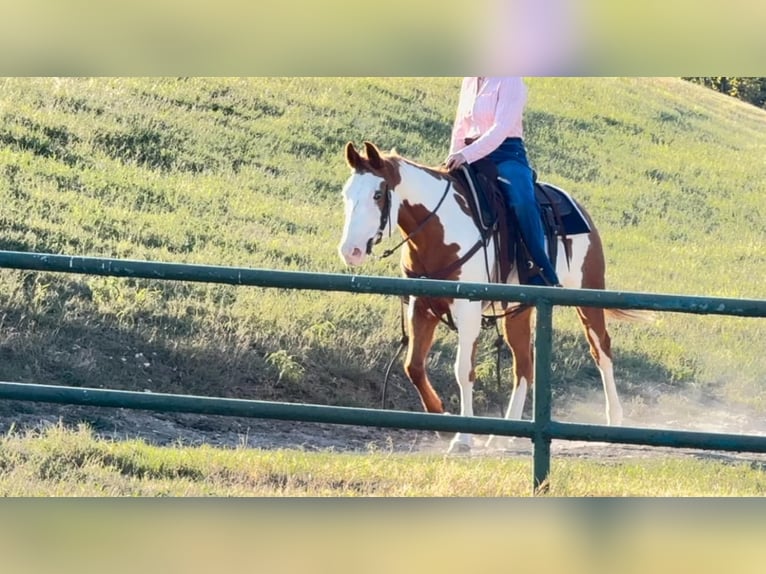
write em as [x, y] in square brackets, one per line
[353, 158]
[373, 155]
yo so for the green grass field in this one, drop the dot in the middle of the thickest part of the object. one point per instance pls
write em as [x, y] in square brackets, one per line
[248, 172]
[73, 462]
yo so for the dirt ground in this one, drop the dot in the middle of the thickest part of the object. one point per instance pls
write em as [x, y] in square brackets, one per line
[228, 432]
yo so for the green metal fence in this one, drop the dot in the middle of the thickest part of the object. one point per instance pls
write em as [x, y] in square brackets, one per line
[542, 429]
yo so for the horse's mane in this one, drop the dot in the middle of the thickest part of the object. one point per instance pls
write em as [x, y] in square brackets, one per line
[440, 172]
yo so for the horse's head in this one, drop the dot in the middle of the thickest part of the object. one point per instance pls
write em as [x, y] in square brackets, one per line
[368, 201]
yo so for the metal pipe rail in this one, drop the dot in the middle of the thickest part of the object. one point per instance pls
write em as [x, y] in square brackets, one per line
[381, 285]
[163, 402]
[541, 430]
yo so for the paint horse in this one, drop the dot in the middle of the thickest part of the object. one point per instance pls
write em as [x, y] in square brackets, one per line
[429, 208]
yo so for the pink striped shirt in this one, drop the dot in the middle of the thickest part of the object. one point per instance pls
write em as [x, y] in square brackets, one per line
[490, 113]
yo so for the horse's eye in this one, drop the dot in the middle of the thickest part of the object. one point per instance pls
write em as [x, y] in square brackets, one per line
[378, 195]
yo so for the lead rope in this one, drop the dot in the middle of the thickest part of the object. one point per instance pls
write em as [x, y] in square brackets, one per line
[404, 342]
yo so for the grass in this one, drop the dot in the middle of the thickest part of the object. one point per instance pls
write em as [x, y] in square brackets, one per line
[248, 172]
[73, 462]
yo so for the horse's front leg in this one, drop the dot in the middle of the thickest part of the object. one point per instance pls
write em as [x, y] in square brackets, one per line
[467, 317]
[517, 330]
[422, 324]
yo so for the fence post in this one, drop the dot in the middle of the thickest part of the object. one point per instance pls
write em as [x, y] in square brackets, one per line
[542, 396]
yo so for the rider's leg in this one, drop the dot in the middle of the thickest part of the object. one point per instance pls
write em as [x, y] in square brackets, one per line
[520, 195]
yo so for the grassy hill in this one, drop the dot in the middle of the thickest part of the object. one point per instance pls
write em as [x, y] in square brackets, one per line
[248, 172]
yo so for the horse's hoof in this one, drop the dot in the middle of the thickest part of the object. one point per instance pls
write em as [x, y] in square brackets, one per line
[499, 442]
[445, 435]
[459, 448]
[460, 444]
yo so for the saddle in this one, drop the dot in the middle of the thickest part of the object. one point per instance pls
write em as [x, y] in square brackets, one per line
[560, 215]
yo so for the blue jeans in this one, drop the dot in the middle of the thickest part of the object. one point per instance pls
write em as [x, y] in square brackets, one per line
[512, 165]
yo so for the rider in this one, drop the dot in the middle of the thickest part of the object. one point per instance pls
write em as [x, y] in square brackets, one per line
[488, 124]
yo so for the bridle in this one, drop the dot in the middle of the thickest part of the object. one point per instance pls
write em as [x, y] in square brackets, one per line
[385, 220]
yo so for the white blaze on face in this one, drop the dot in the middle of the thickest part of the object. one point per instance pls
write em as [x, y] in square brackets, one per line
[362, 216]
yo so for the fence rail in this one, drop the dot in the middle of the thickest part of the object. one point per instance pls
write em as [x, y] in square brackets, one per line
[541, 430]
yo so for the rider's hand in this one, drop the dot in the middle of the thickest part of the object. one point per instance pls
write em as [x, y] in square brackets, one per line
[454, 161]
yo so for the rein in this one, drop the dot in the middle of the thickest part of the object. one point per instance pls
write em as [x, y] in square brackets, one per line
[405, 340]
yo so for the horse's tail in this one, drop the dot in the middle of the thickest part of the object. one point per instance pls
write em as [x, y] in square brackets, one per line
[643, 316]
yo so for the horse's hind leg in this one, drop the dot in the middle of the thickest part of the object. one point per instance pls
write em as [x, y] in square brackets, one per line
[594, 324]
[517, 331]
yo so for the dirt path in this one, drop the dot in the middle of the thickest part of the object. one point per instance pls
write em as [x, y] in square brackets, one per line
[185, 429]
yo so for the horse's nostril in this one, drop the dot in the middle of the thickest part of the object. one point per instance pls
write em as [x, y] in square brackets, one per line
[356, 252]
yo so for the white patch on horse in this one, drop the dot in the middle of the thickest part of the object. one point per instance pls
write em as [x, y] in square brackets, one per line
[458, 226]
[467, 315]
[514, 412]
[572, 275]
[518, 399]
[613, 406]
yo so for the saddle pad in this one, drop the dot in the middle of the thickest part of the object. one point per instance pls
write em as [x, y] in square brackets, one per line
[551, 197]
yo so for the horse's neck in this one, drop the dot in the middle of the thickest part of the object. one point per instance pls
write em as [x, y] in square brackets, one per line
[438, 227]
[420, 192]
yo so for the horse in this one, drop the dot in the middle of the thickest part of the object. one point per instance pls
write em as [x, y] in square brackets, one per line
[439, 236]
